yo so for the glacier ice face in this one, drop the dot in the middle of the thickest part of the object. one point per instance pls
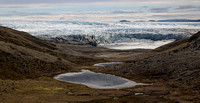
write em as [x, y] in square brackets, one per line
[57, 28]
[138, 44]
[108, 32]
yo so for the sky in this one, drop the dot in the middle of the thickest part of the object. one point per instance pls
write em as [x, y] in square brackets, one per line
[98, 10]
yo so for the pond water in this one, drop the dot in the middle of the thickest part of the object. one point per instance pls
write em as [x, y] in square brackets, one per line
[97, 80]
[107, 64]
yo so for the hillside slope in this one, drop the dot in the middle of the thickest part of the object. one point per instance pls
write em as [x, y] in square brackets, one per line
[25, 56]
[177, 63]
[24, 39]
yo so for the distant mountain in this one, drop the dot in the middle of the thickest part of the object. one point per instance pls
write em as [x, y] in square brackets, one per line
[152, 20]
[124, 21]
[175, 20]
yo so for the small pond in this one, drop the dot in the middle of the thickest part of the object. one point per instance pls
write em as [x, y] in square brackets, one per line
[107, 64]
[97, 80]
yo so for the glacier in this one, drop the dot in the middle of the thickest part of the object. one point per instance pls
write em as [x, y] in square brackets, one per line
[125, 35]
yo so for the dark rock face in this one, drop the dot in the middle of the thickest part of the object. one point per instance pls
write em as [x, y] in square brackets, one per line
[73, 39]
[95, 40]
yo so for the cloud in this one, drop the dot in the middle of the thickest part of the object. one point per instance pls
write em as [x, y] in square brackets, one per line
[120, 11]
[100, 3]
[186, 7]
[105, 17]
[54, 1]
[11, 2]
[158, 10]
[15, 13]
[162, 16]
[26, 6]
[97, 10]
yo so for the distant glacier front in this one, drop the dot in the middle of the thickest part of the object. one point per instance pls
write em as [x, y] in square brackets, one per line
[114, 35]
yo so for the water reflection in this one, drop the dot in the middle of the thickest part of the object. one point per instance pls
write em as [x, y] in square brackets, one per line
[97, 80]
[107, 64]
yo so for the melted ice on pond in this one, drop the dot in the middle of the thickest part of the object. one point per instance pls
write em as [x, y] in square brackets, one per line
[97, 80]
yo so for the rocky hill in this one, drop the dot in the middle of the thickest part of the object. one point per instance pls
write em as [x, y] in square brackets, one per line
[25, 56]
[177, 63]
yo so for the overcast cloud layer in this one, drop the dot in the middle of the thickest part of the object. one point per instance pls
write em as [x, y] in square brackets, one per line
[99, 10]
[93, 1]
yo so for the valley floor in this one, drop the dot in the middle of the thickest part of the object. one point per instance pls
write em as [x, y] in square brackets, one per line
[48, 90]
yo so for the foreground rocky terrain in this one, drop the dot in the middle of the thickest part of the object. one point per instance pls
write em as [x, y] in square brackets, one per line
[27, 65]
